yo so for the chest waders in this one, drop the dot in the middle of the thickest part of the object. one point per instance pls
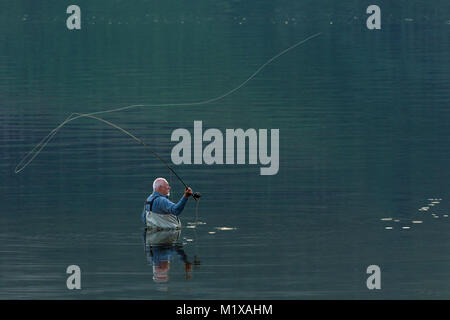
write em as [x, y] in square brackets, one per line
[160, 221]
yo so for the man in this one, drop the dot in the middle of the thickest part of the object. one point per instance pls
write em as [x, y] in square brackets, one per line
[161, 213]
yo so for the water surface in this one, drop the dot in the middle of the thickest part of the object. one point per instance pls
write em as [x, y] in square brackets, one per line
[363, 118]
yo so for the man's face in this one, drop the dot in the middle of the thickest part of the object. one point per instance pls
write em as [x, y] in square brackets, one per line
[165, 188]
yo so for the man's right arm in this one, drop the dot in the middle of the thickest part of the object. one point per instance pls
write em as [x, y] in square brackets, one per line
[168, 207]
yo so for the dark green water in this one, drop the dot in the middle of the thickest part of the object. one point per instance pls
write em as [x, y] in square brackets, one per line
[364, 135]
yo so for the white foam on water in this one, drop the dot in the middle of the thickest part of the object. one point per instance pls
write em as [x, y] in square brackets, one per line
[225, 228]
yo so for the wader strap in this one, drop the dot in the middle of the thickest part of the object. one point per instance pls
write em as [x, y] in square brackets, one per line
[151, 202]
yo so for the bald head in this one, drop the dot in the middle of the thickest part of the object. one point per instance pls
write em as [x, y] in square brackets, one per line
[161, 185]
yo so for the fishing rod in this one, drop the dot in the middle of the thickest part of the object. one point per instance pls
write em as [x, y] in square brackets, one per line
[195, 195]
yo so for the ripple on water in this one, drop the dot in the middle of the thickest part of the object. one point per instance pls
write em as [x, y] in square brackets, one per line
[433, 202]
[196, 223]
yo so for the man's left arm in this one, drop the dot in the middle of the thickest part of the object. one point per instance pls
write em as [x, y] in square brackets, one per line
[174, 208]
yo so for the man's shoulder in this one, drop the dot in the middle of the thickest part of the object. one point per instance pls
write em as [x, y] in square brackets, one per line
[154, 196]
[161, 199]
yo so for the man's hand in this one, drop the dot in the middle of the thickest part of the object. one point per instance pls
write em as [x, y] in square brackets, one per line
[187, 192]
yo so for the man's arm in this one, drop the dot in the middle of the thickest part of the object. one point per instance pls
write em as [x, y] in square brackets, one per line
[167, 206]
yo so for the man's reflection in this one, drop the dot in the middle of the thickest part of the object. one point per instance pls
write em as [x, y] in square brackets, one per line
[161, 246]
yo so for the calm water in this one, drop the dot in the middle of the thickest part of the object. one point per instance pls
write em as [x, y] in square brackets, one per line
[364, 136]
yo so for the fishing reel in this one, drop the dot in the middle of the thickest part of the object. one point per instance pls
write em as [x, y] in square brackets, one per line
[196, 195]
